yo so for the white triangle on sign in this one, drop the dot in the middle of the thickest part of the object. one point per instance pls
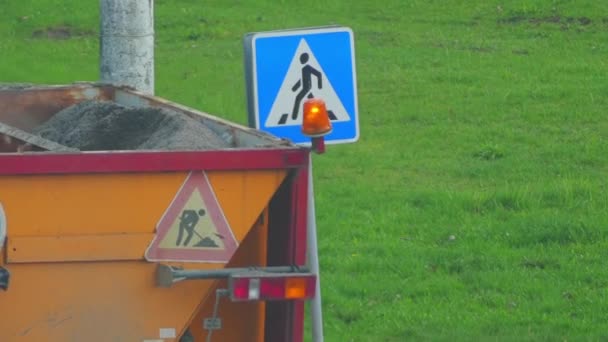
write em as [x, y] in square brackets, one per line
[304, 72]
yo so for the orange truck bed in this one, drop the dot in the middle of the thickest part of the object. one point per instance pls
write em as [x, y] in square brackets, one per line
[86, 234]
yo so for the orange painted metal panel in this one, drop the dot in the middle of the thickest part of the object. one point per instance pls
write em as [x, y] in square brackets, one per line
[117, 300]
[86, 204]
[102, 301]
[229, 185]
[123, 203]
[77, 248]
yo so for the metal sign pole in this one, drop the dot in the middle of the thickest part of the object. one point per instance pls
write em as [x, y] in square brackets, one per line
[313, 259]
[330, 51]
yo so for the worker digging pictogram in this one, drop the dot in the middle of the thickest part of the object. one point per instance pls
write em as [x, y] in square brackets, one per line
[187, 225]
[298, 84]
[194, 227]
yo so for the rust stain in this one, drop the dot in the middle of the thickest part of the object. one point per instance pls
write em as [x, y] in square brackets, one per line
[26, 108]
[29, 107]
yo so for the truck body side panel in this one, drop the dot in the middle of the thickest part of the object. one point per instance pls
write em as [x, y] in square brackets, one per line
[72, 282]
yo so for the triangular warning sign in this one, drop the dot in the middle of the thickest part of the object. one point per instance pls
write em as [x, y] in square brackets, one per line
[305, 78]
[193, 228]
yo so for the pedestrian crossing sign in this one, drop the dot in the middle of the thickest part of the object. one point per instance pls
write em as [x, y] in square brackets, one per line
[284, 68]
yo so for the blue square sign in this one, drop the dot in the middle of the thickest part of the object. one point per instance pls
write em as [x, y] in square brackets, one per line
[284, 68]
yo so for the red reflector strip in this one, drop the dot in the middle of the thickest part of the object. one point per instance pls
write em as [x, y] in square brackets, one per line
[240, 289]
[272, 286]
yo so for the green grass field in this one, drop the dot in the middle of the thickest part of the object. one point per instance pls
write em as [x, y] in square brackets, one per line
[474, 206]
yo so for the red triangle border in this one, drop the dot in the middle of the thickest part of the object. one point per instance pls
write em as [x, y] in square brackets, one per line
[195, 181]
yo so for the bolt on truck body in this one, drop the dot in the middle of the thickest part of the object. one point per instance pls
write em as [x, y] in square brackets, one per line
[148, 245]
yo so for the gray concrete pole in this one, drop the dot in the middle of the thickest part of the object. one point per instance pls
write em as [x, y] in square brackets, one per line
[127, 43]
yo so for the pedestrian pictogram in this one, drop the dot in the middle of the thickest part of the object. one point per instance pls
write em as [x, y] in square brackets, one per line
[194, 227]
[298, 85]
[284, 68]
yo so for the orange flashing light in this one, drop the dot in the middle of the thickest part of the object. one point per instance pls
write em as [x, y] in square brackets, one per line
[316, 121]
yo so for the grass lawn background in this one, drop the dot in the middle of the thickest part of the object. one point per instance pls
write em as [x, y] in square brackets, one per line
[474, 206]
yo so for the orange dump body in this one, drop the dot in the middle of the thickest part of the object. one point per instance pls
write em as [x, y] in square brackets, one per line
[80, 230]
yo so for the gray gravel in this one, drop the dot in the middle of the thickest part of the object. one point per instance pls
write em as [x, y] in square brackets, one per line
[102, 126]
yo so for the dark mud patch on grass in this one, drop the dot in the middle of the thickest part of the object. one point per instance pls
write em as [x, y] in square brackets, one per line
[540, 264]
[484, 49]
[453, 22]
[564, 22]
[462, 47]
[522, 52]
[61, 32]
[379, 37]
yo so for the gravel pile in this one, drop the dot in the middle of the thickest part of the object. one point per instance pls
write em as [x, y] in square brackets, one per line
[103, 126]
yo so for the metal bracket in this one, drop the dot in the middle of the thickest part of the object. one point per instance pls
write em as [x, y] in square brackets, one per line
[168, 275]
[214, 322]
[5, 277]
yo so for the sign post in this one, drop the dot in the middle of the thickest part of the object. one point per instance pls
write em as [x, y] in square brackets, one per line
[282, 70]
